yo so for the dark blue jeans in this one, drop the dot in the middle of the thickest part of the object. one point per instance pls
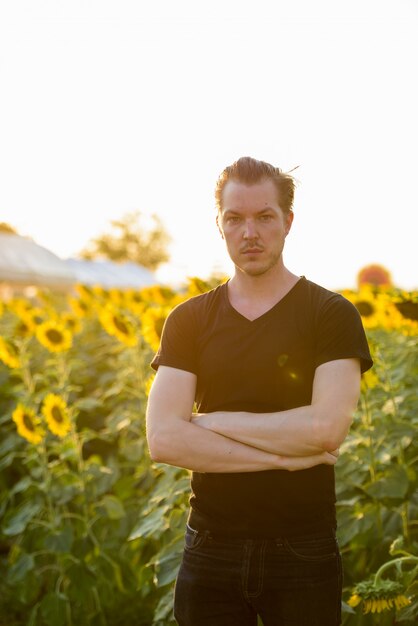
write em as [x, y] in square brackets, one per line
[286, 581]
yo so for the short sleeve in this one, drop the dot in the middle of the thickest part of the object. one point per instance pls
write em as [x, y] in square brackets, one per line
[340, 334]
[177, 346]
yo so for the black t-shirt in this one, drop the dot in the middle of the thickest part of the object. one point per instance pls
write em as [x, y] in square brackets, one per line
[260, 366]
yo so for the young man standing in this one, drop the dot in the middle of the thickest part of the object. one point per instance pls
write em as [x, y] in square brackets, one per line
[273, 362]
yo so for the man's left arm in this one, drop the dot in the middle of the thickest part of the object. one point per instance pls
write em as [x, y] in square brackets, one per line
[320, 426]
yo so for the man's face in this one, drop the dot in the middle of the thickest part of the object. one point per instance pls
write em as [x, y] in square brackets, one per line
[253, 225]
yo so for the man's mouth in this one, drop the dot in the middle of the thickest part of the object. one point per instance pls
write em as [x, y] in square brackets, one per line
[252, 250]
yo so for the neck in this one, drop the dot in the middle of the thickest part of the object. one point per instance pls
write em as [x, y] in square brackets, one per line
[270, 286]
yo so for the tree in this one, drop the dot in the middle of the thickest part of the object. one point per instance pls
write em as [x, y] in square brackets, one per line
[6, 228]
[130, 241]
[375, 274]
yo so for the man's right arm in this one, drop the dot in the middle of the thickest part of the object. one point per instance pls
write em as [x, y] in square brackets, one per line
[174, 439]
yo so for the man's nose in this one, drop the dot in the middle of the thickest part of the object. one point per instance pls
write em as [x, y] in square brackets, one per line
[250, 231]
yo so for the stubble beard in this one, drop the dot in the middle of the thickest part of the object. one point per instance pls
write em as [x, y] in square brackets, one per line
[259, 270]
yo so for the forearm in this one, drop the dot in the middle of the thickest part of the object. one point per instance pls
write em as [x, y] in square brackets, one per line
[295, 432]
[184, 444]
[302, 431]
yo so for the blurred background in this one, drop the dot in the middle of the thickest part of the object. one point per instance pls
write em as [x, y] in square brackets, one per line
[110, 108]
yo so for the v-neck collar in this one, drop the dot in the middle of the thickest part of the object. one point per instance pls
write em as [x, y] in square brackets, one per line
[261, 317]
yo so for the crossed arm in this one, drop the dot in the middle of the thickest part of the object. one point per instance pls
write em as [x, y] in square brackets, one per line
[242, 442]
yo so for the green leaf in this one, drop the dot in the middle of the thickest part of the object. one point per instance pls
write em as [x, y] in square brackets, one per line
[113, 506]
[164, 607]
[88, 404]
[82, 581]
[16, 521]
[167, 561]
[393, 484]
[23, 484]
[24, 564]
[54, 609]
[133, 451]
[60, 541]
[153, 524]
[32, 617]
[66, 487]
[353, 525]
[7, 460]
[118, 576]
[9, 443]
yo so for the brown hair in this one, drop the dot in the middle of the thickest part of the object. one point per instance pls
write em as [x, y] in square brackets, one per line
[251, 171]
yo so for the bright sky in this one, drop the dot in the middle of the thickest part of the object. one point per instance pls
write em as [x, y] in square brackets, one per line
[109, 106]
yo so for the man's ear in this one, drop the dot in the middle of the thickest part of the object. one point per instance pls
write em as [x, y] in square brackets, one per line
[289, 220]
[219, 228]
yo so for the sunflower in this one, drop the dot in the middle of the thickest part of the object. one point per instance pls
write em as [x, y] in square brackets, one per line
[98, 292]
[406, 305]
[408, 309]
[152, 324]
[85, 292]
[54, 336]
[8, 354]
[134, 302]
[116, 297]
[369, 305]
[157, 294]
[27, 322]
[71, 321]
[197, 285]
[28, 424]
[369, 380]
[118, 325]
[56, 414]
[19, 306]
[37, 315]
[378, 596]
[148, 384]
[80, 307]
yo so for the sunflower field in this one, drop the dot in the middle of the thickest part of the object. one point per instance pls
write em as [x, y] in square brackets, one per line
[91, 530]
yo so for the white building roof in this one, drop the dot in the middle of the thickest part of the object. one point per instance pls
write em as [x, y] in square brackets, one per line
[109, 274]
[24, 262]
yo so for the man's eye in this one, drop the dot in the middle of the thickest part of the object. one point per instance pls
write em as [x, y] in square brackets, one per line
[233, 219]
[265, 218]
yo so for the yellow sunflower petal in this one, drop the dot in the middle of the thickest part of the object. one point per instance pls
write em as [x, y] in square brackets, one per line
[56, 413]
[28, 424]
[54, 336]
[118, 325]
[8, 354]
[367, 606]
[354, 600]
[152, 325]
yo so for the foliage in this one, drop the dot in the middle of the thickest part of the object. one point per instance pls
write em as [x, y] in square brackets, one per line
[374, 274]
[131, 242]
[91, 531]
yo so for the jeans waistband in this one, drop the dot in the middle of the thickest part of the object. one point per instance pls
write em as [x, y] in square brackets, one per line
[238, 536]
[323, 521]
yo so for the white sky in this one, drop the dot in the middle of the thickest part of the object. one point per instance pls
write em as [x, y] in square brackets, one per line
[108, 106]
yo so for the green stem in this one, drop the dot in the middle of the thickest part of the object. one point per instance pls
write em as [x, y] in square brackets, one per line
[388, 564]
[47, 483]
[26, 373]
[372, 467]
[368, 424]
[405, 522]
[401, 455]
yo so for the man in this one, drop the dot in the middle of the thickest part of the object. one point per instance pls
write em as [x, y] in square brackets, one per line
[273, 362]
